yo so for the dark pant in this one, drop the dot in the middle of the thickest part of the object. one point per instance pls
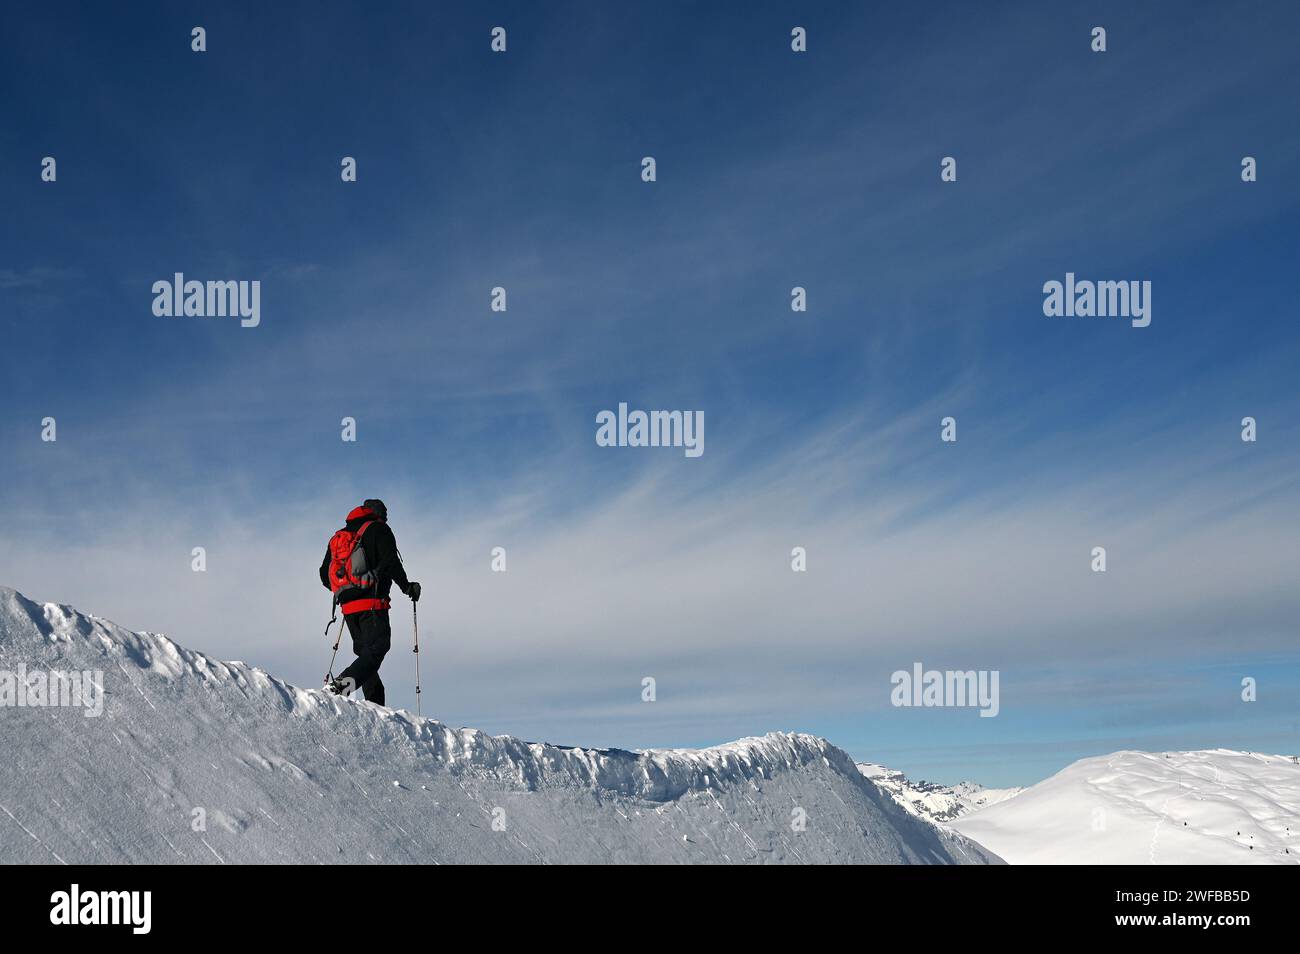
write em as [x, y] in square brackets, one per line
[371, 639]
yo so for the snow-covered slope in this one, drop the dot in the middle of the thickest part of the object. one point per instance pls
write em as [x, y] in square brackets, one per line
[932, 801]
[199, 761]
[1211, 807]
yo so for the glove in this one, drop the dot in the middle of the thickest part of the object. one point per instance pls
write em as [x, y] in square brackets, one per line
[413, 591]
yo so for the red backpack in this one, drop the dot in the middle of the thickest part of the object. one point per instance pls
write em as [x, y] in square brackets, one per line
[348, 560]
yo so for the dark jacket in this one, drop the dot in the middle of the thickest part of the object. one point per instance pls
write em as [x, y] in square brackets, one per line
[380, 547]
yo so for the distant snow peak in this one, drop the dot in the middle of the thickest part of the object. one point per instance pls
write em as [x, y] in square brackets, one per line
[931, 800]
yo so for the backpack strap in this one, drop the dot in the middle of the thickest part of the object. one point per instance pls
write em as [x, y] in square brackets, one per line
[361, 605]
[356, 542]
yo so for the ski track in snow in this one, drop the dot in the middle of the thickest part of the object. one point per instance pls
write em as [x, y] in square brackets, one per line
[283, 774]
[1164, 810]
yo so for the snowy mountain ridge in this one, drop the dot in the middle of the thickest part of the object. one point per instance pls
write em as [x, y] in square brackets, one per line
[198, 760]
[1215, 806]
[932, 800]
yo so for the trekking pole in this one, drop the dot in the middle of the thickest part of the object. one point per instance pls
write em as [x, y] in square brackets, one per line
[337, 639]
[415, 625]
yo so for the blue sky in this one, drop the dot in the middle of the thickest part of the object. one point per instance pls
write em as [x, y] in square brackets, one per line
[774, 170]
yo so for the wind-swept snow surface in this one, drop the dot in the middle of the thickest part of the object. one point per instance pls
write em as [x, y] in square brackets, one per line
[1212, 807]
[199, 761]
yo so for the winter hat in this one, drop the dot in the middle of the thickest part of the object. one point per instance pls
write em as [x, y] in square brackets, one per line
[377, 508]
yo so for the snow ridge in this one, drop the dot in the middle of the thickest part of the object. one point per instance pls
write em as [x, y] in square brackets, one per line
[656, 775]
[272, 766]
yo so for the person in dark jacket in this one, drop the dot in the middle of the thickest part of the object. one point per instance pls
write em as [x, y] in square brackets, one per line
[365, 609]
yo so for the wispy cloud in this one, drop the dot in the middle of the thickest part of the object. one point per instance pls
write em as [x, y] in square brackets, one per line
[34, 277]
[696, 591]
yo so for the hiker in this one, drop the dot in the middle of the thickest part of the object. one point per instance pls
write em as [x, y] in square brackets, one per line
[361, 564]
